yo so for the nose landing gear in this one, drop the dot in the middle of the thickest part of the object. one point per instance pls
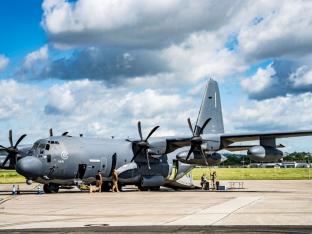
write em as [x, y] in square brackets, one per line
[51, 188]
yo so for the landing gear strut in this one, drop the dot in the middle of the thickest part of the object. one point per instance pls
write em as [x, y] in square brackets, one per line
[51, 188]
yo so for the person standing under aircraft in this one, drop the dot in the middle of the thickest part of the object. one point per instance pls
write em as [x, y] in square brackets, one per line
[213, 176]
[99, 181]
[203, 181]
[115, 181]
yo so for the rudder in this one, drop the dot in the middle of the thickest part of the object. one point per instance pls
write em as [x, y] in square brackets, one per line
[211, 108]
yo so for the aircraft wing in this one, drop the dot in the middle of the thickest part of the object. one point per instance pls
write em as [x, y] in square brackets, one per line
[227, 139]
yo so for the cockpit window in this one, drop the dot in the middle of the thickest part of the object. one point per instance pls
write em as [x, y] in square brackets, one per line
[47, 147]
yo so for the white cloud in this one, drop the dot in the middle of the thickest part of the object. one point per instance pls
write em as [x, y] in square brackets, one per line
[35, 56]
[4, 61]
[203, 55]
[17, 100]
[281, 113]
[301, 77]
[60, 98]
[259, 81]
[283, 30]
[91, 108]
[138, 23]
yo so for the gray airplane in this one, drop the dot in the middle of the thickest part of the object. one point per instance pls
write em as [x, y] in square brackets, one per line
[148, 162]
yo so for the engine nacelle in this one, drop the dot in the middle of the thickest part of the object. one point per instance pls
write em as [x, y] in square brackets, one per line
[157, 148]
[152, 181]
[128, 173]
[264, 153]
[196, 158]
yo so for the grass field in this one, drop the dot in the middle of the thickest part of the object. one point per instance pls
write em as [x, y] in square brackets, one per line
[10, 176]
[7, 177]
[255, 173]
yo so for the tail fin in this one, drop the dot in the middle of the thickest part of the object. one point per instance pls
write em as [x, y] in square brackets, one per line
[211, 108]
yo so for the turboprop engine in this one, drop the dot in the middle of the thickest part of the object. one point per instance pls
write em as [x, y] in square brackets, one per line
[195, 158]
[264, 153]
[142, 176]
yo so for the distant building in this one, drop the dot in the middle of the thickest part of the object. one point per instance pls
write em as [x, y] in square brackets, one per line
[280, 165]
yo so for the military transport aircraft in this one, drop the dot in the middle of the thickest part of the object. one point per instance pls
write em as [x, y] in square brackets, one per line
[148, 162]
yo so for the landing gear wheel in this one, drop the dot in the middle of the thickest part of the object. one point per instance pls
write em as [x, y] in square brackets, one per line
[119, 187]
[155, 188]
[51, 188]
[142, 188]
[106, 186]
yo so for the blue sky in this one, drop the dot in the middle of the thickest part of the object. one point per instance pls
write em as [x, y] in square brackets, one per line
[98, 67]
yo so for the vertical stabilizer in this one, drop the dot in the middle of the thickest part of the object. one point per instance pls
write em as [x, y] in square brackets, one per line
[211, 108]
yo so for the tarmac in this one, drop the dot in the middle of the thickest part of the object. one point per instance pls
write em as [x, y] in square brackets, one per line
[261, 206]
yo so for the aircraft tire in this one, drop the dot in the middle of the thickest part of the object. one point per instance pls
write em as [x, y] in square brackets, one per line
[51, 188]
[120, 187]
[142, 188]
[106, 186]
[155, 188]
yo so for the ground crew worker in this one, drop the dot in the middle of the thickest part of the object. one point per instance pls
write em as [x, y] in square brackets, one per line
[115, 181]
[99, 181]
[203, 181]
[213, 176]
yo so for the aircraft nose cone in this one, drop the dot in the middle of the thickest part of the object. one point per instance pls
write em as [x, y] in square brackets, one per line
[30, 167]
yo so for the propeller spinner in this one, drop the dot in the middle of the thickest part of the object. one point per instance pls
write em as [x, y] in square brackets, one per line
[12, 150]
[197, 140]
[143, 144]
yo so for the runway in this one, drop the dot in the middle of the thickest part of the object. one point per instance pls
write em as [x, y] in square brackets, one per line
[264, 204]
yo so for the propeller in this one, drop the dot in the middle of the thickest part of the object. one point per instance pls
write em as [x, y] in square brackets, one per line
[51, 133]
[143, 144]
[197, 140]
[12, 150]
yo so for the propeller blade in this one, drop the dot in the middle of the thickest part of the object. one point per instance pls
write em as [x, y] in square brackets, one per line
[190, 151]
[64, 133]
[203, 127]
[5, 161]
[140, 130]
[151, 132]
[203, 156]
[136, 154]
[5, 148]
[51, 132]
[190, 125]
[11, 137]
[148, 162]
[19, 140]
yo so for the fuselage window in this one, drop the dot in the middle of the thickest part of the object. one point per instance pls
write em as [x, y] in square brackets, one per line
[48, 158]
[47, 147]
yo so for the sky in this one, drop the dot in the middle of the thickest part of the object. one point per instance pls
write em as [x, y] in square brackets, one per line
[97, 67]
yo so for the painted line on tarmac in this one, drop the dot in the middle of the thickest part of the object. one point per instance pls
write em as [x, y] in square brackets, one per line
[6, 199]
[214, 214]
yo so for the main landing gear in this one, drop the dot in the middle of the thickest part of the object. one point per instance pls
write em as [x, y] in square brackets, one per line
[51, 188]
[153, 188]
[107, 185]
